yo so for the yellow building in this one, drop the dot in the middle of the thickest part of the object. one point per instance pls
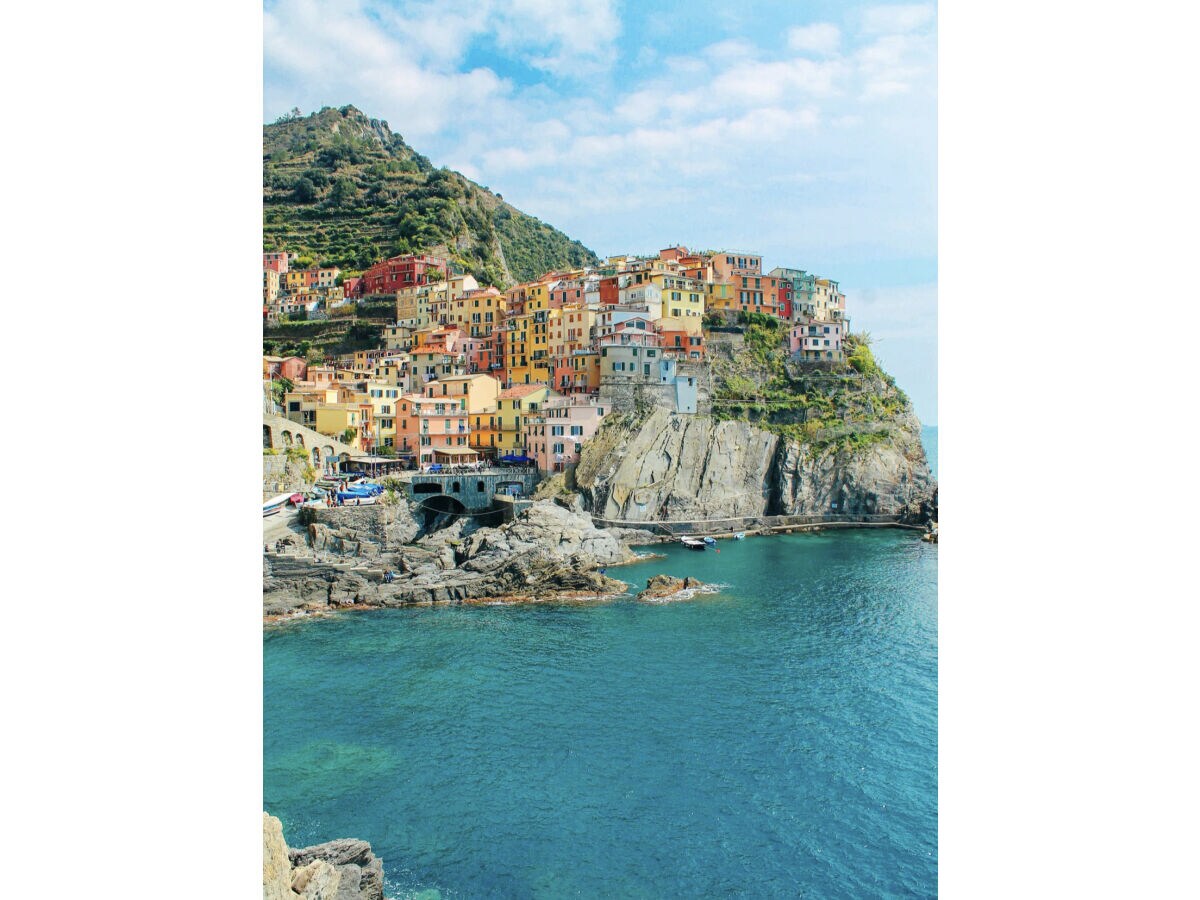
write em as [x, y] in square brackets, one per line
[681, 297]
[477, 313]
[722, 296]
[485, 432]
[335, 419]
[513, 409]
[270, 286]
[516, 349]
[480, 391]
[585, 371]
[384, 399]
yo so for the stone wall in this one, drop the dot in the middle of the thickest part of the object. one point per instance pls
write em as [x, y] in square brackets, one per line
[282, 475]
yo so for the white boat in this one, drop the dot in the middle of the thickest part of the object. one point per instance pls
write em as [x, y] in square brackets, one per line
[693, 544]
[740, 536]
[275, 504]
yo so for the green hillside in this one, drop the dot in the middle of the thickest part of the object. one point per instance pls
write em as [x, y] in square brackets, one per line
[342, 188]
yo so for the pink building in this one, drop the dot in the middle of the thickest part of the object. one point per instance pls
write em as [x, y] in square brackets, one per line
[276, 262]
[554, 436]
[432, 426]
[293, 368]
[816, 340]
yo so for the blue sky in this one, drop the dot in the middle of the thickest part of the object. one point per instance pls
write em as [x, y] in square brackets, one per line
[804, 131]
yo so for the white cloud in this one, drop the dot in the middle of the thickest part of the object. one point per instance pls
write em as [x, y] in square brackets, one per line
[897, 19]
[822, 39]
[338, 52]
[565, 39]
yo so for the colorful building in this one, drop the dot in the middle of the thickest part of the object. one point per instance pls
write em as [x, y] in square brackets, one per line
[479, 391]
[399, 272]
[425, 425]
[555, 436]
[816, 340]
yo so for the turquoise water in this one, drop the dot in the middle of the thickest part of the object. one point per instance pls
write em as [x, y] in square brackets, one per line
[777, 739]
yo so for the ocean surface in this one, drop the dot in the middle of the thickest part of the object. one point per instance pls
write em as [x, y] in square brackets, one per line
[777, 738]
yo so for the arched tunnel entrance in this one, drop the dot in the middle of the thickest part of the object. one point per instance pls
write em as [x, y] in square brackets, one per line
[440, 510]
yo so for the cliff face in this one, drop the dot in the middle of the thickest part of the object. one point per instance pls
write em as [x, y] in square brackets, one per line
[680, 467]
[673, 466]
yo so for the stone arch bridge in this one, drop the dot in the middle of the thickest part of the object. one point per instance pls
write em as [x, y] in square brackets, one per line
[326, 453]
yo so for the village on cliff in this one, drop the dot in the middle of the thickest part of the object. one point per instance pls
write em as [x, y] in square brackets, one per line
[471, 375]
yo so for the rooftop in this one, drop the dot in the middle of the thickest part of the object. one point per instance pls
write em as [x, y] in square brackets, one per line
[521, 390]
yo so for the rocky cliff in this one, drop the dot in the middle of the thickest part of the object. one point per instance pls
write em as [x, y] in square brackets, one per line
[669, 466]
[785, 437]
[338, 870]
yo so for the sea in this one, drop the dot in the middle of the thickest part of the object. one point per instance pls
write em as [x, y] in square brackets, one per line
[776, 737]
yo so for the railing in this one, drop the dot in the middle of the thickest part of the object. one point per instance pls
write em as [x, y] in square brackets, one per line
[679, 528]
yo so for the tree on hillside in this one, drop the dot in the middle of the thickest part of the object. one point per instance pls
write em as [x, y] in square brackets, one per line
[343, 191]
[304, 190]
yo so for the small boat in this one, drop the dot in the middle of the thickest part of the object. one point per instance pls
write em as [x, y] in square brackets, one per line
[740, 536]
[296, 499]
[275, 504]
[693, 544]
[710, 541]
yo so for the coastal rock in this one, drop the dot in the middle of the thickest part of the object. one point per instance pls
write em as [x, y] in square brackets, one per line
[660, 586]
[277, 869]
[344, 869]
[361, 873]
[316, 881]
[890, 477]
[361, 530]
[670, 466]
[548, 551]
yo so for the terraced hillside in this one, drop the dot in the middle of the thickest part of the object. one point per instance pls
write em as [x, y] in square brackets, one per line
[341, 188]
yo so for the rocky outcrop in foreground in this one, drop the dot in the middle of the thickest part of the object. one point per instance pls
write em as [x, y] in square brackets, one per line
[550, 551]
[338, 870]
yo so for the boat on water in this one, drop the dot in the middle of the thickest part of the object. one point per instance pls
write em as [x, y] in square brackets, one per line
[710, 541]
[694, 544]
[740, 536]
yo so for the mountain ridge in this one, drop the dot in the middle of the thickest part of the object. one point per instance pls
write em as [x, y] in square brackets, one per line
[344, 189]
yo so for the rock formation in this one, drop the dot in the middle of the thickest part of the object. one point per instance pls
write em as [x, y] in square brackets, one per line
[682, 467]
[338, 870]
[548, 551]
[659, 587]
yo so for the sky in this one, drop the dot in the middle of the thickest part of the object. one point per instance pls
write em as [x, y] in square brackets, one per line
[802, 131]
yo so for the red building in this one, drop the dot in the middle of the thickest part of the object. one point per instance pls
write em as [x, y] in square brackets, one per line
[608, 291]
[785, 298]
[293, 368]
[277, 262]
[400, 272]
